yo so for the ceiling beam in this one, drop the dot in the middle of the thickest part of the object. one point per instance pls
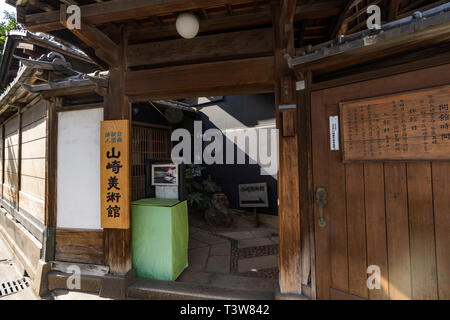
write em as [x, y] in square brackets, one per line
[393, 9]
[100, 13]
[104, 47]
[340, 20]
[287, 20]
[191, 81]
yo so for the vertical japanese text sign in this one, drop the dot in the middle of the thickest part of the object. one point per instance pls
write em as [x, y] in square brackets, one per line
[115, 174]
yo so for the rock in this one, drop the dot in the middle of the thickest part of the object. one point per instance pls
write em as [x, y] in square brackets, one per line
[219, 214]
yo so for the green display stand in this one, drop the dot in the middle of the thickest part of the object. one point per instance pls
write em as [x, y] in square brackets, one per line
[160, 238]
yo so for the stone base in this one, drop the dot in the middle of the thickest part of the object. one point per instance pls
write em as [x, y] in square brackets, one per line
[289, 296]
[115, 287]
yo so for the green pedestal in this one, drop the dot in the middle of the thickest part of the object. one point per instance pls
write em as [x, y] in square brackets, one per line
[159, 238]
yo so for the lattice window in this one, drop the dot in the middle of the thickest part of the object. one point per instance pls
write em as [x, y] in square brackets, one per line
[147, 143]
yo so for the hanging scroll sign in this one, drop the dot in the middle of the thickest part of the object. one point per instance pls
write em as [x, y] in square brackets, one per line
[115, 174]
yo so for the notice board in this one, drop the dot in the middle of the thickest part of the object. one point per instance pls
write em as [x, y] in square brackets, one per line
[412, 125]
[115, 174]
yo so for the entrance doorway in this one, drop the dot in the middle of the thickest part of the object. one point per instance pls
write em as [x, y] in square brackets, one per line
[244, 254]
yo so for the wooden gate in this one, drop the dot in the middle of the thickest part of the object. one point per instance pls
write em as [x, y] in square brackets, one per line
[395, 215]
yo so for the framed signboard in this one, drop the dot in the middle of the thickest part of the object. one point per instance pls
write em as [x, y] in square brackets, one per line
[165, 175]
[253, 195]
[412, 125]
[115, 174]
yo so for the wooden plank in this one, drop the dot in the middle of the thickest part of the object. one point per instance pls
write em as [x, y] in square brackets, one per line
[115, 174]
[413, 125]
[34, 167]
[100, 13]
[34, 113]
[376, 226]
[441, 204]
[397, 231]
[222, 46]
[33, 186]
[235, 22]
[34, 149]
[86, 269]
[34, 131]
[104, 47]
[288, 174]
[286, 26]
[421, 226]
[342, 295]
[51, 165]
[320, 164]
[337, 222]
[12, 180]
[117, 250]
[32, 205]
[235, 74]
[383, 49]
[357, 259]
[81, 246]
[305, 189]
[10, 193]
[11, 157]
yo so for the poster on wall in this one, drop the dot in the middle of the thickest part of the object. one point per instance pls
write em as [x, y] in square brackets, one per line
[165, 175]
[115, 174]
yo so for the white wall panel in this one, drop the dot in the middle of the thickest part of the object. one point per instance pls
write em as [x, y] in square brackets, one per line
[79, 169]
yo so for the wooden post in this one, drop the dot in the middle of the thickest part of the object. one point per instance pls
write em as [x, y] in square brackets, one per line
[51, 170]
[288, 176]
[117, 107]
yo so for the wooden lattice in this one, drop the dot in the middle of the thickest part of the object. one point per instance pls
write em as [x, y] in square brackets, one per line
[147, 143]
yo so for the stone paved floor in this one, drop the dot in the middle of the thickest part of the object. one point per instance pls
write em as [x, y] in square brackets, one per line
[243, 250]
[10, 272]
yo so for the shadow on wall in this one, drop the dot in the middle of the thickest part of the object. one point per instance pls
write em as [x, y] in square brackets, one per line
[240, 113]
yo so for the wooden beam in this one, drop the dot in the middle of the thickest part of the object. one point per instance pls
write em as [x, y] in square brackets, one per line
[51, 162]
[205, 77]
[104, 47]
[211, 47]
[69, 91]
[393, 9]
[427, 37]
[117, 242]
[340, 20]
[289, 214]
[117, 10]
[287, 20]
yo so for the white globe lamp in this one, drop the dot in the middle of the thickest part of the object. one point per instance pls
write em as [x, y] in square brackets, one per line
[187, 25]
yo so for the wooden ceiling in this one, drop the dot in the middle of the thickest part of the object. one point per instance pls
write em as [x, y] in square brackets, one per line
[315, 21]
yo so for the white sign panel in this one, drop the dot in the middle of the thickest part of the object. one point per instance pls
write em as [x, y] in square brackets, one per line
[78, 196]
[253, 195]
[165, 192]
[334, 133]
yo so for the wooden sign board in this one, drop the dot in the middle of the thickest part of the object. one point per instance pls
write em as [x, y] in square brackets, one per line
[115, 174]
[414, 125]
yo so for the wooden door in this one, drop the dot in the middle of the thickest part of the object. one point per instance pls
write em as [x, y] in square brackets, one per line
[395, 215]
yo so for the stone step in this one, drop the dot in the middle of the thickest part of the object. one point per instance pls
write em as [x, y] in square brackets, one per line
[167, 290]
[230, 281]
[89, 283]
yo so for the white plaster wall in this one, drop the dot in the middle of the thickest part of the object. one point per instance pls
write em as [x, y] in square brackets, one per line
[78, 193]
